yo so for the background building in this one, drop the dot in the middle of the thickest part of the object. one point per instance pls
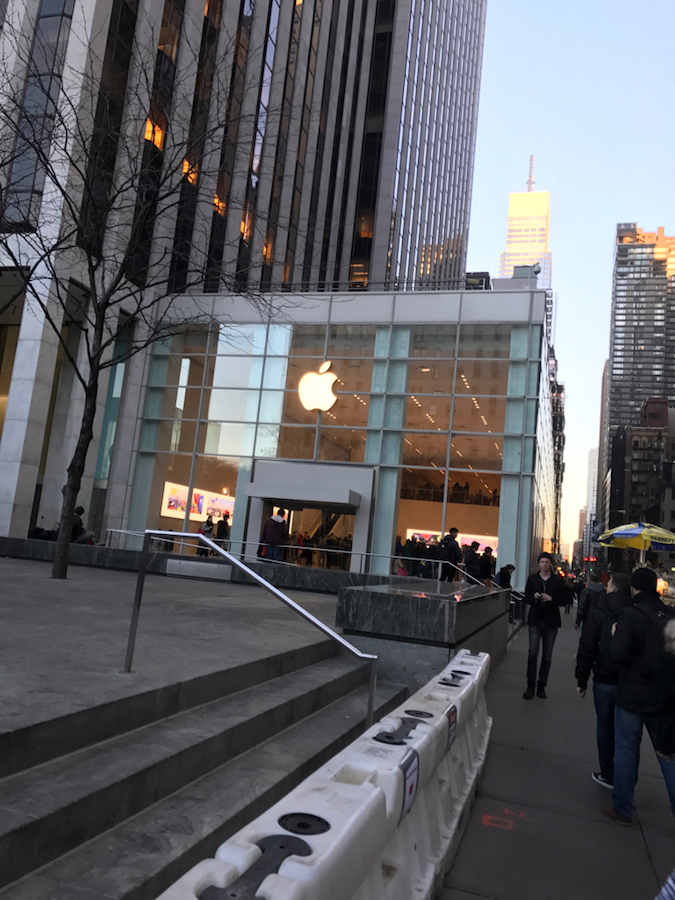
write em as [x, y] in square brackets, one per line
[527, 233]
[642, 344]
[258, 146]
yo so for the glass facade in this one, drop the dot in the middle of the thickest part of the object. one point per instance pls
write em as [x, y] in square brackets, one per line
[448, 415]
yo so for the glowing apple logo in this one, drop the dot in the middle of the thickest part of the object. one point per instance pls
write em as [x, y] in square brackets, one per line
[316, 389]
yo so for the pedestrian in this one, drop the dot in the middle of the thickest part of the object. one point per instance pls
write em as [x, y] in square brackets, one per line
[450, 554]
[275, 535]
[503, 578]
[472, 562]
[78, 533]
[223, 531]
[588, 599]
[595, 636]
[645, 691]
[206, 528]
[487, 565]
[569, 594]
[544, 594]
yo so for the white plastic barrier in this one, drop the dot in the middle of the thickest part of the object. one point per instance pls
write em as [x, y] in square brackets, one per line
[393, 806]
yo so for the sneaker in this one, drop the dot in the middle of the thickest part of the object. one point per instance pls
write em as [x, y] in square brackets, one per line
[529, 693]
[612, 814]
[541, 692]
[600, 779]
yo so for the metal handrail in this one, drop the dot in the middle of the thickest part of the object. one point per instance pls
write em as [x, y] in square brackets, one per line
[270, 588]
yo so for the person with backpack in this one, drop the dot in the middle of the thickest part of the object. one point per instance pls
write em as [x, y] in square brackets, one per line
[645, 691]
[588, 600]
[591, 658]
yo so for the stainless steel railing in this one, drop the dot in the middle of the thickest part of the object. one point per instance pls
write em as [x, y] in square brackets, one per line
[270, 588]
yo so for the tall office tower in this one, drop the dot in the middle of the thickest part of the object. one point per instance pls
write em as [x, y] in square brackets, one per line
[591, 499]
[642, 331]
[527, 233]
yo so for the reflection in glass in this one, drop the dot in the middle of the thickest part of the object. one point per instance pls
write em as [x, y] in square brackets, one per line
[432, 341]
[228, 438]
[485, 340]
[295, 443]
[241, 339]
[342, 444]
[351, 340]
[308, 340]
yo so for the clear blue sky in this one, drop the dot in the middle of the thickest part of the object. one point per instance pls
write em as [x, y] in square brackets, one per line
[589, 89]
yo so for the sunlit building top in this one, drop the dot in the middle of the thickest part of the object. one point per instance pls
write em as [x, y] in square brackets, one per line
[527, 234]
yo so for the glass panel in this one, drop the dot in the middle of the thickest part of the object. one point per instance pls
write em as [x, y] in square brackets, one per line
[231, 406]
[432, 341]
[482, 377]
[342, 445]
[520, 342]
[171, 403]
[484, 414]
[431, 377]
[350, 410]
[351, 340]
[476, 488]
[244, 339]
[237, 372]
[476, 452]
[279, 340]
[308, 340]
[295, 443]
[428, 413]
[276, 372]
[227, 439]
[485, 341]
[423, 449]
[294, 412]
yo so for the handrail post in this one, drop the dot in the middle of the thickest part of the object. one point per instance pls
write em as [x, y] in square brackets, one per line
[140, 582]
[371, 692]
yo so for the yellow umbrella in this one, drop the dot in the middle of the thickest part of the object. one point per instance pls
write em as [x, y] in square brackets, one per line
[639, 536]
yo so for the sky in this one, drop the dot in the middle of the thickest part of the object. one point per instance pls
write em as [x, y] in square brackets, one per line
[587, 87]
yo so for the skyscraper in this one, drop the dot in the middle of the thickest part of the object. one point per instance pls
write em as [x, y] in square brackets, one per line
[527, 233]
[642, 331]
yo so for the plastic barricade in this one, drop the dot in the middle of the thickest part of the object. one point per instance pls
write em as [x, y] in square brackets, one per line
[380, 821]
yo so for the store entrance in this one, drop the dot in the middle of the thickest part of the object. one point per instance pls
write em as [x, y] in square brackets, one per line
[318, 536]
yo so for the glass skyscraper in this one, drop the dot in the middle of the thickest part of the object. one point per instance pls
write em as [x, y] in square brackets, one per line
[642, 335]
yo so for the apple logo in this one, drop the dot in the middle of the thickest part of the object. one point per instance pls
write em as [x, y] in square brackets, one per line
[316, 389]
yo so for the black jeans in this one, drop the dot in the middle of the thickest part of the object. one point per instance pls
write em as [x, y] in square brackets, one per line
[604, 696]
[539, 633]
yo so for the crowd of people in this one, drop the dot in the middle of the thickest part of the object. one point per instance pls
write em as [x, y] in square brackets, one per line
[627, 645]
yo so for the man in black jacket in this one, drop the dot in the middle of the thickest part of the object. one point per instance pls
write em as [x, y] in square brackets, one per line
[451, 553]
[591, 658]
[640, 694]
[545, 595]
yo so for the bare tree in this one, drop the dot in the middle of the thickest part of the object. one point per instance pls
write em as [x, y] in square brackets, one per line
[111, 174]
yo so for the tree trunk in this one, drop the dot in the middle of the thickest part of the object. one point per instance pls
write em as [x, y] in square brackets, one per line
[74, 480]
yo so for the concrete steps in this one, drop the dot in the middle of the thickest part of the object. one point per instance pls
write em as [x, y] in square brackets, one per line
[125, 816]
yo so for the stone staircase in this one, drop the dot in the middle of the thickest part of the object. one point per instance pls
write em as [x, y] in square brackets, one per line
[119, 800]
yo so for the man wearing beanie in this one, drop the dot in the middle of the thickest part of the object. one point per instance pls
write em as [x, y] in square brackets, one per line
[641, 694]
[545, 595]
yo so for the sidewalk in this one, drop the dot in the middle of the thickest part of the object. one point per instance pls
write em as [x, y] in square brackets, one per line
[536, 830]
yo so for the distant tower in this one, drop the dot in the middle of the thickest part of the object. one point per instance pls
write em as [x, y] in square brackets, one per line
[530, 180]
[527, 233]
